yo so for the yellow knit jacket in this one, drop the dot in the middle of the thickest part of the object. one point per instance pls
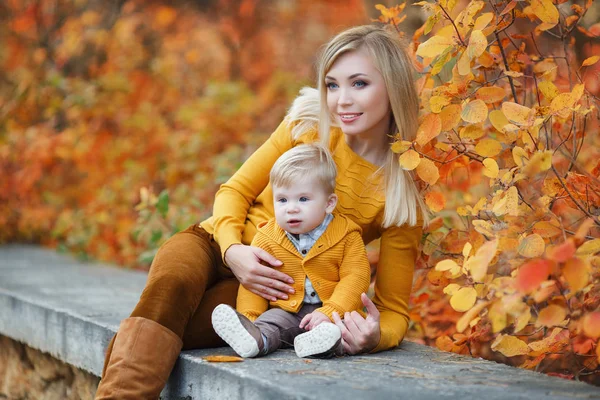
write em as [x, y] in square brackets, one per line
[246, 200]
[336, 265]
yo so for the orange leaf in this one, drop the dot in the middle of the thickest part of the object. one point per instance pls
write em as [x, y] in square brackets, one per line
[551, 316]
[545, 10]
[475, 111]
[491, 94]
[576, 272]
[435, 201]
[510, 346]
[450, 117]
[546, 229]
[428, 171]
[222, 359]
[470, 315]
[591, 325]
[531, 274]
[540, 161]
[561, 252]
[429, 129]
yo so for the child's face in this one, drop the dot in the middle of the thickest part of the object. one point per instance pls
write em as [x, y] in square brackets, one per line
[301, 208]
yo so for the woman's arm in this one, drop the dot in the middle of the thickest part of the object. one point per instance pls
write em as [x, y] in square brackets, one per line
[385, 325]
[232, 202]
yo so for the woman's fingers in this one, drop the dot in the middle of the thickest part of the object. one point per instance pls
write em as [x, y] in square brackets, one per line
[373, 312]
[266, 257]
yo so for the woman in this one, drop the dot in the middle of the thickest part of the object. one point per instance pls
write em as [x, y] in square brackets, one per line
[366, 98]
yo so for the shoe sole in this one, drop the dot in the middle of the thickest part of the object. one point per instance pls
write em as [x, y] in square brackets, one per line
[317, 341]
[229, 328]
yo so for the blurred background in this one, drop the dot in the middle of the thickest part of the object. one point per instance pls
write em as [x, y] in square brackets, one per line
[119, 119]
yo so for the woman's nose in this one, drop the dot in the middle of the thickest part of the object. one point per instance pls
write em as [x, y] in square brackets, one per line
[345, 97]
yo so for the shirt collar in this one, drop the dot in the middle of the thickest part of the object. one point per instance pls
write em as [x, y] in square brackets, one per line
[314, 234]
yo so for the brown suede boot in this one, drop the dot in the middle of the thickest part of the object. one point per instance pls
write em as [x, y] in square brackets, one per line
[142, 357]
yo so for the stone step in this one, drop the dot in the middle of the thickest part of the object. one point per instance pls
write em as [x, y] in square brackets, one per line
[70, 310]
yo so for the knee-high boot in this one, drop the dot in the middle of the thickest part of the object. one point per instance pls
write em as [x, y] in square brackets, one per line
[142, 357]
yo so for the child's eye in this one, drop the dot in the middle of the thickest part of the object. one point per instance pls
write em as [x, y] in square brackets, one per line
[303, 199]
[281, 200]
[360, 84]
[331, 85]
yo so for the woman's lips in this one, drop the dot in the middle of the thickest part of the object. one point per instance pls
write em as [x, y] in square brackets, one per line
[349, 117]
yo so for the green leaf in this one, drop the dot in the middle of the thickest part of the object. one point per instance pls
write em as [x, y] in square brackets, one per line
[163, 203]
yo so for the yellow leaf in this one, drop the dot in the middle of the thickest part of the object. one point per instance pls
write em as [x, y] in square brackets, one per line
[478, 264]
[434, 46]
[450, 117]
[483, 20]
[513, 74]
[498, 120]
[522, 320]
[472, 131]
[475, 112]
[589, 248]
[491, 168]
[551, 316]
[463, 299]
[409, 160]
[437, 103]
[512, 201]
[483, 227]
[577, 273]
[488, 147]
[532, 246]
[446, 265]
[548, 89]
[497, 316]
[451, 289]
[491, 94]
[540, 161]
[428, 171]
[400, 146]
[519, 156]
[441, 61]
[477, 44]
[517, 114]
[464, 63]
[429, 129]
[561, 104]
[510, 346]
[545, 10]
[470, 315]
[467, 249]
[590, 61]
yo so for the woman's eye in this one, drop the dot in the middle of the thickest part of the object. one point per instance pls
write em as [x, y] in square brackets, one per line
[360, 84]
[331, 85]
[303, 199]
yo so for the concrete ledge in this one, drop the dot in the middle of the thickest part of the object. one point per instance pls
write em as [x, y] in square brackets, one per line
[71, 310]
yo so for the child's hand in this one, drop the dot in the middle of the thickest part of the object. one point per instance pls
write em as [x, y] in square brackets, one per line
[313, 319]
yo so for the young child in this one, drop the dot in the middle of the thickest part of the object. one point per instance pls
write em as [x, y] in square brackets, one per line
[322, 251]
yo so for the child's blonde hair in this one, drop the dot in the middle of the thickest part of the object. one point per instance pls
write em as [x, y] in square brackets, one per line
[402, 198]
[305, 161]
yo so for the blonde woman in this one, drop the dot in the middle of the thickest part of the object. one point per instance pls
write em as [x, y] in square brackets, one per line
[366, 96]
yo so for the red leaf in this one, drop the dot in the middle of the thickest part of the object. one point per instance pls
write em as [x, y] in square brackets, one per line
[562, 252]
[532, 274]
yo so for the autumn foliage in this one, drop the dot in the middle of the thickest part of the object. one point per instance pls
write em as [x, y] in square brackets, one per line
[119, 119]
[508, 148]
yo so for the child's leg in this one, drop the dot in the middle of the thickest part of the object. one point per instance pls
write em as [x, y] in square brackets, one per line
[279, 328]
[237, 331]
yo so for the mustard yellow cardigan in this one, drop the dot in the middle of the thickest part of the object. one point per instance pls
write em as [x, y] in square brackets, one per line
[336, 265]
[246, 200]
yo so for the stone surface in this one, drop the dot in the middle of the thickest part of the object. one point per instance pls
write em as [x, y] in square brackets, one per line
[71, 310]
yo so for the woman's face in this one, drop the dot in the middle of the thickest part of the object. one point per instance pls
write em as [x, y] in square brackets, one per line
[357, 96]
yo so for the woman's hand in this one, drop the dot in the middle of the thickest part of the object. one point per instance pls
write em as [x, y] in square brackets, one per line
[360, 335]
[244, 262]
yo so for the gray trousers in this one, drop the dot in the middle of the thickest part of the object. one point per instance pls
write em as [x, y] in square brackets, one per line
[281, 327]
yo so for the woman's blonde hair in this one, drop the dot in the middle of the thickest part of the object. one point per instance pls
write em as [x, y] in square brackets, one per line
[311, 161]
[402, 198]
